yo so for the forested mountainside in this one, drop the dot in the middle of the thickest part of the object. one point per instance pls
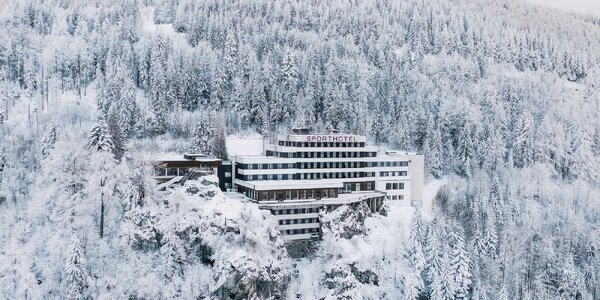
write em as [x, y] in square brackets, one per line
[501, 97]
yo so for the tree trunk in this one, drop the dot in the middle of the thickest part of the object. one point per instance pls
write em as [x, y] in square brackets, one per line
[102, 218]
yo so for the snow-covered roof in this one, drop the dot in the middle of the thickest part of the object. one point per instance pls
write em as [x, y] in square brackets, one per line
[172, 156]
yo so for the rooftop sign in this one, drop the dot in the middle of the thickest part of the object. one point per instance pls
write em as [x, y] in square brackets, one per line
[331, 138]
[324, 138]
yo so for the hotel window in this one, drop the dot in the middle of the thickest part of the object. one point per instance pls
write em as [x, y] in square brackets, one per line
[401, 185]
[388, 186]
[369, 186]
[400, 197]
[395, 185]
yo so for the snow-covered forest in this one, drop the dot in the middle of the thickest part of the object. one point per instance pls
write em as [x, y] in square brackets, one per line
[502, 98]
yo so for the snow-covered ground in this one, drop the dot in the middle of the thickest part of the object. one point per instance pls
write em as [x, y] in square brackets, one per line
[148, 25]
[430, 191]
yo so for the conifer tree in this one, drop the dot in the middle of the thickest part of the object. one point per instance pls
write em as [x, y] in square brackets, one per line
[523, 145]
[503, 294]
[100, 139]
[50, 138]
[413, 285]
[173, 254]
[75, 271]
[466, 150]
[2, 111]
[219, 148]
[2, 161]
[491, 236]
[443, 285]
[204, 134]
[436, 149]
[460, 266]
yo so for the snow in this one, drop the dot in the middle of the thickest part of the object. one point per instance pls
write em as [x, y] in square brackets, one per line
[251, 144]
[430, 191]
[149, 26]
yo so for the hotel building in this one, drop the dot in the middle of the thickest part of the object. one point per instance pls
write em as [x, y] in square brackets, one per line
[302, 174]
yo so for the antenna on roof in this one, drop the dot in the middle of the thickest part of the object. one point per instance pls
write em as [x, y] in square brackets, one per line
[300, 130]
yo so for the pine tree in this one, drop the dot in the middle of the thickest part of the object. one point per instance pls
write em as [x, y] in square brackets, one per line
[219, 147]
[75, 271]
[436, 152]
[466, 150]
[491, 237]
[460, 266]
[433, 253]
[50, 138]
[2, 162]
[495, 200]
[173, 255]
[377, 125]
[413, 285]
[503, 295]
[523, 145]
[495, 149]
[219, 91]
[582, 162]
[202, 140]
[2, 111]
[230, 55]
[117, 132]
[443, 285]
[100, 138]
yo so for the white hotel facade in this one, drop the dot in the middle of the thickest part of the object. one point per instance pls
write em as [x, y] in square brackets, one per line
[303, 174]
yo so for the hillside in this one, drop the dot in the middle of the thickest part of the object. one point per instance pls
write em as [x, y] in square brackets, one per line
[502, 98]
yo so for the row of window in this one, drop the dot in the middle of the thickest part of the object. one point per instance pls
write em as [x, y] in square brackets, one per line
[323, 165]
[171, 171]
[336, 154]
[298, 221]
[393, 173]
[301, 231]
[396, 197]
[330, 175]
[294, 211]
[321, 144]
[394, 186]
